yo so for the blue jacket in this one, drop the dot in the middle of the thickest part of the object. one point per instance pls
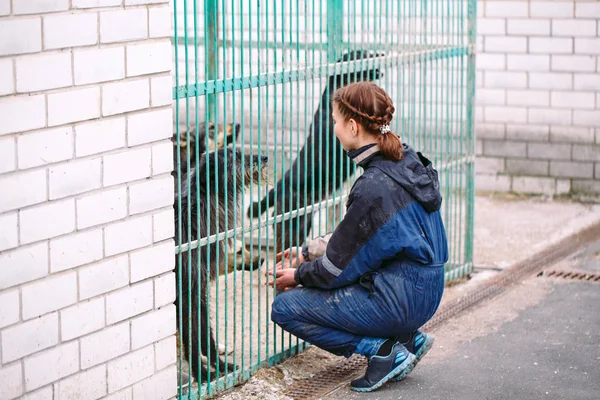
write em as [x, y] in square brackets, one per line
[393, 218]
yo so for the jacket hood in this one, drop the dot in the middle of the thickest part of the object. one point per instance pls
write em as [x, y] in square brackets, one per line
[414, 173]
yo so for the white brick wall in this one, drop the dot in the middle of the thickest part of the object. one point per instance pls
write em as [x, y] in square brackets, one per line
[540, 70]
[86, 219]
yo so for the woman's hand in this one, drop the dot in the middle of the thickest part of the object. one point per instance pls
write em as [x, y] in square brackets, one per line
[292, 257]
[284, 279]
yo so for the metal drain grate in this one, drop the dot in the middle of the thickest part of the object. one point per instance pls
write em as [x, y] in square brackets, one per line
[342, 372]
[571, 275]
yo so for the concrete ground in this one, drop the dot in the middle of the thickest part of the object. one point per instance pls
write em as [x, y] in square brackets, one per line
[540, 340]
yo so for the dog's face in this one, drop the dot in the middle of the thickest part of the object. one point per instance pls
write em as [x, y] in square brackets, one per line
[219, 136]
[223, 164]
[366, 75]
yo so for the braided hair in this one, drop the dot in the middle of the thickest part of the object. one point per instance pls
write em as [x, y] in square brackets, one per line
[371, 107]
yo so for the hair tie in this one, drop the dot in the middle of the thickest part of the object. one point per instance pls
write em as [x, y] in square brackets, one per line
[384, 129]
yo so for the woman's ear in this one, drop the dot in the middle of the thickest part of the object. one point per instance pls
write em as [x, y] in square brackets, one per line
[353, 126]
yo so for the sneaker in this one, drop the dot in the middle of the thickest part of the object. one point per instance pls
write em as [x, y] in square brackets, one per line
[381, 369]
[419, 345]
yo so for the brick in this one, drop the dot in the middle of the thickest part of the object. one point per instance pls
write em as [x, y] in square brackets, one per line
[528, 27]
[95, 3]
[99, 65]
[504, 149]
[121, 97]
[527, 98]
[22, 113]
[161, 91]
[73, 106]
[588, 118]
[29, 337]
[149, 58]
[527, 167]
[47, 221]
[5, 7]
[164, 290]
[50, 294]
[22, 189]
[505, 79]
[587, 10]
[573, 28]
[103, 277]
[490, 131]
[160, 386]
[123, 25]
[563, 186]
[165, 352]
[149, 126]
[587, 46]
[130, 369]
[9, 303]
[559, 9]
[489, 165]
[45, 147]
[549, 116]
[6, 76]
[506, 9]
[479, 147]
[90, 384]
[75, 177]
[99, 208]
[20, 36]
[129, 302]
[573, 100]
[505, 44]
[127, 166]
[492, 183]
[51, 365]
[479, 114]
[585, 186]
[586, 153]
[151, 195]
[550, 45]
[23, 265]
[162, 158]
[70, 30]
[539, 80]
[528, 62]
[491, 26]
[99, 136]
[153, 326]
[571, 134]
[573, 63]
[39, 6]
[140, 2]
[527, 132]
[566, 169]
[491, 61]
[75, 250]
[43, 71]
[8, 160]
[12, 381]
[534, 185]
[505, 114]
[597, 135]
[10, 231]
[105, 345]
[81, 319]
[125, 394]
[45, 393]
[587, 81]
[597, 173]
[160, 22]
[164, 225]
[152, 261]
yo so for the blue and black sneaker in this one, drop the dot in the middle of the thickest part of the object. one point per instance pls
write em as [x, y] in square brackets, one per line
[419, 344]
[383, 368]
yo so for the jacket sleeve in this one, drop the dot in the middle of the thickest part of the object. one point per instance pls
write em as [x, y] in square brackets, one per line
[361, 242]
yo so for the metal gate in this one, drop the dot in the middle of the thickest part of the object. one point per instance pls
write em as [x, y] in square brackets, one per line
[252, 82]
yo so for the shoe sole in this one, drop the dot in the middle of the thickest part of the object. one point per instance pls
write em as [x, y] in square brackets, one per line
[418, 357]
[398, 370]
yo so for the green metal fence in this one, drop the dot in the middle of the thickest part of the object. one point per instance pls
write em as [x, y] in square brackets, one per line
[265, 65]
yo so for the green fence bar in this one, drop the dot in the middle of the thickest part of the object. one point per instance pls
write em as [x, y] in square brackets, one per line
[251, 87]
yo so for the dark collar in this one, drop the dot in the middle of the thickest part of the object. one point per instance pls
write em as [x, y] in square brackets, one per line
[363, 155]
